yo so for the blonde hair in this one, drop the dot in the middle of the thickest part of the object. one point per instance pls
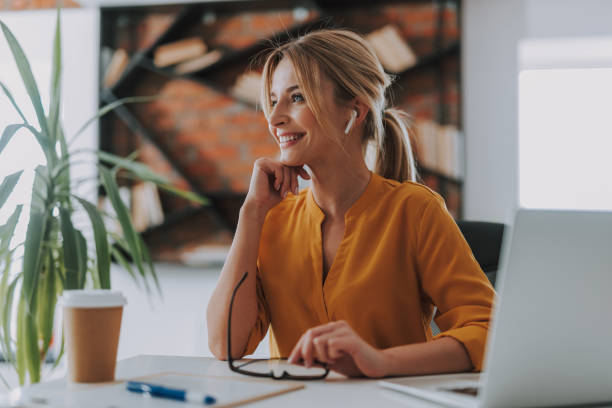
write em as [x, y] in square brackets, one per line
[350, 63]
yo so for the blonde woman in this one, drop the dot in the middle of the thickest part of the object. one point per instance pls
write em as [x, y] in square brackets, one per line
[348, 271]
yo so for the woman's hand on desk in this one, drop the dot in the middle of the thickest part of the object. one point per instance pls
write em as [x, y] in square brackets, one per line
[271, 181]
[338, 346]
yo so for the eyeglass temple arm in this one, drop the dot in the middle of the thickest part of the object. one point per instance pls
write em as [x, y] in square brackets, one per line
[229, 320]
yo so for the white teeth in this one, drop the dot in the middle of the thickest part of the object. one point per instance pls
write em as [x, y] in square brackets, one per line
[285, 139]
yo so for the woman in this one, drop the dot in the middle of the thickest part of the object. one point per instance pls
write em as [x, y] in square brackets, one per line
[347, 272]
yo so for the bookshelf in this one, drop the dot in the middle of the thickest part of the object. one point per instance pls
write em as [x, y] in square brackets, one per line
[190, 154]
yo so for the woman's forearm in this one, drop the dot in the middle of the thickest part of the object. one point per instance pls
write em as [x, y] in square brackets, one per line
[444, 355]
[241, 258]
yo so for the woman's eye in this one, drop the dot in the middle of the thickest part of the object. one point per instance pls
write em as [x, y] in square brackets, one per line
[272, 103]
[297, 98]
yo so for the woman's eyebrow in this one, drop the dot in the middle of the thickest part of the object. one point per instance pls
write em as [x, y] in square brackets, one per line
[291, 88]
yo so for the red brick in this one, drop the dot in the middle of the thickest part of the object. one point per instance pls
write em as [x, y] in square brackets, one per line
[204, 102]
[237, 169]
[200, 137]
[249, 135]
[239, 185]
[221, 152]
[265, 151]
[18, 5]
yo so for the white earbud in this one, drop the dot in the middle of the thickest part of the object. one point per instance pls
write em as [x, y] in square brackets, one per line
[350, 122]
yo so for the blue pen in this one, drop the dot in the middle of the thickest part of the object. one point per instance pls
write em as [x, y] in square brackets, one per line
[161, 391]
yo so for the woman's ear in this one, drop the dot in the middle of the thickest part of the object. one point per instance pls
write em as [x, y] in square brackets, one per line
[361, 109]
[349, 124]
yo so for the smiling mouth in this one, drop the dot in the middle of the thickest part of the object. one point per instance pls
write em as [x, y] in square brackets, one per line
[290, 139]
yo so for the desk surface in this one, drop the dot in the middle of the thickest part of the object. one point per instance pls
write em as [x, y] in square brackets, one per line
[336, 390]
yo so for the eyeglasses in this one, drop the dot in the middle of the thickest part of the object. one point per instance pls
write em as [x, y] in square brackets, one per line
[269, 367]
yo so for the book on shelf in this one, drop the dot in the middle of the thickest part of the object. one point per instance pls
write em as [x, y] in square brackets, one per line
[394, 53]
[115, 68]
[178, 51]
[440, 148]
[248, 87]
[146, 206]
[198, 63]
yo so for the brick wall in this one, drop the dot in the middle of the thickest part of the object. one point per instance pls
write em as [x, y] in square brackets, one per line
[14, 5]
[214, 139]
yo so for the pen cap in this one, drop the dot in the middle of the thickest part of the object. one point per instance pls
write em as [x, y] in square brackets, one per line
[92, 298]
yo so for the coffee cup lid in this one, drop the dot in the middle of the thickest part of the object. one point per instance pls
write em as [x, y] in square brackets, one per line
[92, 298]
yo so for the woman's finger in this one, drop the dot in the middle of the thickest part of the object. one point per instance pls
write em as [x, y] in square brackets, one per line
[286, 181]
[339, 346]
[272, 169]
[296, 353]
[307, 349]
[294, 181]
[303, 173]
[320, 349]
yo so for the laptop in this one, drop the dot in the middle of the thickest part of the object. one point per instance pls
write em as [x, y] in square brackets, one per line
[550, 342]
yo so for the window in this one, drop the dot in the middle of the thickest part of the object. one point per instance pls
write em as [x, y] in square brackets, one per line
[565, 134]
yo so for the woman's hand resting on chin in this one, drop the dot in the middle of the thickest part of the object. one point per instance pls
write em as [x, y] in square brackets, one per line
[341, 349]
[271, 181]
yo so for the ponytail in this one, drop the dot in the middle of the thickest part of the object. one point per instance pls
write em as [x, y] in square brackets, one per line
[394, 156]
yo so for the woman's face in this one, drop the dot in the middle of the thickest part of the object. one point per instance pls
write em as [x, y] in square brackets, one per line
[293, 125]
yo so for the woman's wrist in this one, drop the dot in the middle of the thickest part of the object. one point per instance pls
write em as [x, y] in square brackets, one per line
[253, 210]
[388, 362]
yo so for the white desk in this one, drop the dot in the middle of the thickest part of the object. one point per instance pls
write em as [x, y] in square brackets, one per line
[334, 391]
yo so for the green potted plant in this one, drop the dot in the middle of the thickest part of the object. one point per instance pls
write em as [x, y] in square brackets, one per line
[56, 255]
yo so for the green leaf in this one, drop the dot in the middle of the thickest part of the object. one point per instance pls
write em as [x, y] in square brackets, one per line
[55, 105]
[189, 195]
[145, 173]
[60, 354]
[26, 75]
[61, 171]
[31, 347]
[7, 186]
[111, 106]
[32, 255]
[7, 309]
[10, 96]
[71, 252]
[8, 133]
[101, 240]
[130, 234]
[121, 259]
[141, 170]
[39, 189]
[7, 231]
[10, 130]
[46, 304]
[82, 257]
[21, 347]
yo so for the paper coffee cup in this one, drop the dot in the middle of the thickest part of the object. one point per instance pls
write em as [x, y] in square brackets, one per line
[92, 321]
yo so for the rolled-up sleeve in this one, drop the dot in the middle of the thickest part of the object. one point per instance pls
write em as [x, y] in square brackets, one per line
[260, 328]
[451, 277]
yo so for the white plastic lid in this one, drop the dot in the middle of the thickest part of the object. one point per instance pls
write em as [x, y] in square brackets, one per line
[92, 298]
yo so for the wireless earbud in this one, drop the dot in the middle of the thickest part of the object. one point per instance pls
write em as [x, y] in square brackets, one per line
[350, 122]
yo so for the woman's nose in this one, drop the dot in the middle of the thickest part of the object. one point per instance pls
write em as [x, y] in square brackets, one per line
[278, 115]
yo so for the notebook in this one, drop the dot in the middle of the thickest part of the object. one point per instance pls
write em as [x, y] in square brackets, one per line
[551, 332]
[228, 391]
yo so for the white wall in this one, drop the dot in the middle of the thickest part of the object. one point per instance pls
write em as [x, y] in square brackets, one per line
[34, 31]
[491, 30]
[491, 33]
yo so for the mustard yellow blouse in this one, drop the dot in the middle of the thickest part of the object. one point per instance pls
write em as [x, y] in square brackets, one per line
[401, 254]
